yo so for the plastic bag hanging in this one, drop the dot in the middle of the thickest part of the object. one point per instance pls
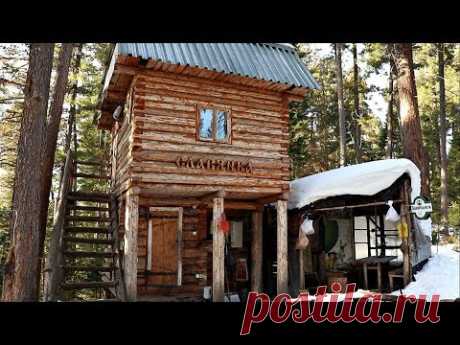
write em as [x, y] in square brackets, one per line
[307, 227]
[302, 241]
[392, 215]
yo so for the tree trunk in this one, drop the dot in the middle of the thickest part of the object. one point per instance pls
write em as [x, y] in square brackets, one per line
[390, 115]
[21, 279]
[411, 129]
[73, 107]
[356, 125]
[338, 63]
[52, 131]
[442, 136]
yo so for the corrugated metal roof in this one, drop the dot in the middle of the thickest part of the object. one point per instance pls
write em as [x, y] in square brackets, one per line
[266, 61]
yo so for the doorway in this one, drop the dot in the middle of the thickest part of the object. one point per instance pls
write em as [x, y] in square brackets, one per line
[164, 246]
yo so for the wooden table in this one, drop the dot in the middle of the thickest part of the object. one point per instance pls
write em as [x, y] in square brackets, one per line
[375, 263]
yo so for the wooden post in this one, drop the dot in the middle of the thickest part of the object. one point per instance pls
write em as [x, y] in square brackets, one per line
[366, 281]
[256, 251]
[282, 247]
[218, 248]
[301, 270]
[405, 217]
[130, 243]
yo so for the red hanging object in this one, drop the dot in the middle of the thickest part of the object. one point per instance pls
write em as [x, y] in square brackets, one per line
[224, 224]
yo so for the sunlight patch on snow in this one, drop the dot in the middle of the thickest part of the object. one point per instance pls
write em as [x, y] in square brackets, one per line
[440, 275]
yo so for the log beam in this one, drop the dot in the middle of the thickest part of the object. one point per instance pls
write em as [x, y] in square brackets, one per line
[256, 251]
[218, 244]
[211, 196]
[273, 198]
[130, 242]
[282, 247]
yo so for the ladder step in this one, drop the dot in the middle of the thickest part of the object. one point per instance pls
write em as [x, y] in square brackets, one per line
[89, 254]
[87, 285]
[90, 163]
[89, 196]
[87, 230]
[89, 268]
[99, 177]
[88, 208]
[87, 240]
[87, 218]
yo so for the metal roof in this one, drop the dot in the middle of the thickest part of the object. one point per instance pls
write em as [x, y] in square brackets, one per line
[273, 62]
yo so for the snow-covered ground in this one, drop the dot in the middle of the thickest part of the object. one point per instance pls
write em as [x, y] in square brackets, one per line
[440, 275]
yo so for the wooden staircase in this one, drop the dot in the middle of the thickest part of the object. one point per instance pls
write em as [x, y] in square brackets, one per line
[88, 250]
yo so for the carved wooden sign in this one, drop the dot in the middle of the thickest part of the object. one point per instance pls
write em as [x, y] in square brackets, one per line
[215, 164]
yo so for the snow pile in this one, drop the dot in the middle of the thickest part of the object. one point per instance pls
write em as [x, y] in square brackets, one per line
[440, 275]
[340, 296]
[360, 179]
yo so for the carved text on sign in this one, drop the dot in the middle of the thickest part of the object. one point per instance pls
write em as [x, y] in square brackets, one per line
[215, 164]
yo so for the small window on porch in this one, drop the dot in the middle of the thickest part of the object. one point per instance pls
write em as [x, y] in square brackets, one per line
[213, 124]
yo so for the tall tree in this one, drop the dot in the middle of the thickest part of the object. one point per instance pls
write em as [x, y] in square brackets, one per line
[389, 150]
[52, 131]
[21, 278]
[74, 91]
[356, 125]
[411, 131]
[443, 137]
[339, 84]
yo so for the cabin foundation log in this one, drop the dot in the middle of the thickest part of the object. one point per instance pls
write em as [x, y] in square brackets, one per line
[256, 251]
[130, 242]
[282, 247]
[218, 244]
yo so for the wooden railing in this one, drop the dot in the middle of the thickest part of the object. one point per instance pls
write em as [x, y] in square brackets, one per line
[54, 271]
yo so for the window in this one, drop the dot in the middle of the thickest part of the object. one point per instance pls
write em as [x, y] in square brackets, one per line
[213, 124]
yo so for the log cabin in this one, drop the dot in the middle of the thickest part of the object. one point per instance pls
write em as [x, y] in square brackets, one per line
[199, 146]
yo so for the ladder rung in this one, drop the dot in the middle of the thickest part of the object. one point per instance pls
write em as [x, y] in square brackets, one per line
[88, 268]
[87, 240]
[87, 230]
[89, 196]
[87, 285]
[90, 163]
[87, 219]
[88, 208]
[99, 177]
[89, 254]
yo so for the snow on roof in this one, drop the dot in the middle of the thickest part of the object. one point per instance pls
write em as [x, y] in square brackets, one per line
[360, 179]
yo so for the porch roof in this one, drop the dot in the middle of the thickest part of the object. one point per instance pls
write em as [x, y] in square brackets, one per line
[361, 179]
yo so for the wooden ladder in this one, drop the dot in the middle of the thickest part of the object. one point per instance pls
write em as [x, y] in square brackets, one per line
[89, 241]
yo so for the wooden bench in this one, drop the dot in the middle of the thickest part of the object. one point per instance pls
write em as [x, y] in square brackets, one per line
[396, 273]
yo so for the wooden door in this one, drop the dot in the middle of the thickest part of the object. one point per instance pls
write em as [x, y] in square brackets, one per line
[164, 251]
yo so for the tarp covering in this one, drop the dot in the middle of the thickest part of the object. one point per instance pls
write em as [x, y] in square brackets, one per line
[361, 179]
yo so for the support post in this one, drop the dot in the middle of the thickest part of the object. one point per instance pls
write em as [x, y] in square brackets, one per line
[218, 244]
[405, 216]
[282, 247]
[301, 270]
[256, 251]
[130, 243]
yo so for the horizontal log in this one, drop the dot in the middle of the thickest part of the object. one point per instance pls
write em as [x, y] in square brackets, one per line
[221, 149]
[205, 180]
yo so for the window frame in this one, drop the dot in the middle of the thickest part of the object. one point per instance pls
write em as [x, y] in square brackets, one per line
[215, 109]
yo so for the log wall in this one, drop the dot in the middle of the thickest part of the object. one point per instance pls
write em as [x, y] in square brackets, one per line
[161, 124]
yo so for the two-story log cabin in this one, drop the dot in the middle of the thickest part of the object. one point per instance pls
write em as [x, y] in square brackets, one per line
[199, 146]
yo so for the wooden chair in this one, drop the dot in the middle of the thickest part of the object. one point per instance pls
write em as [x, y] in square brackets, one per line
[396, 273]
